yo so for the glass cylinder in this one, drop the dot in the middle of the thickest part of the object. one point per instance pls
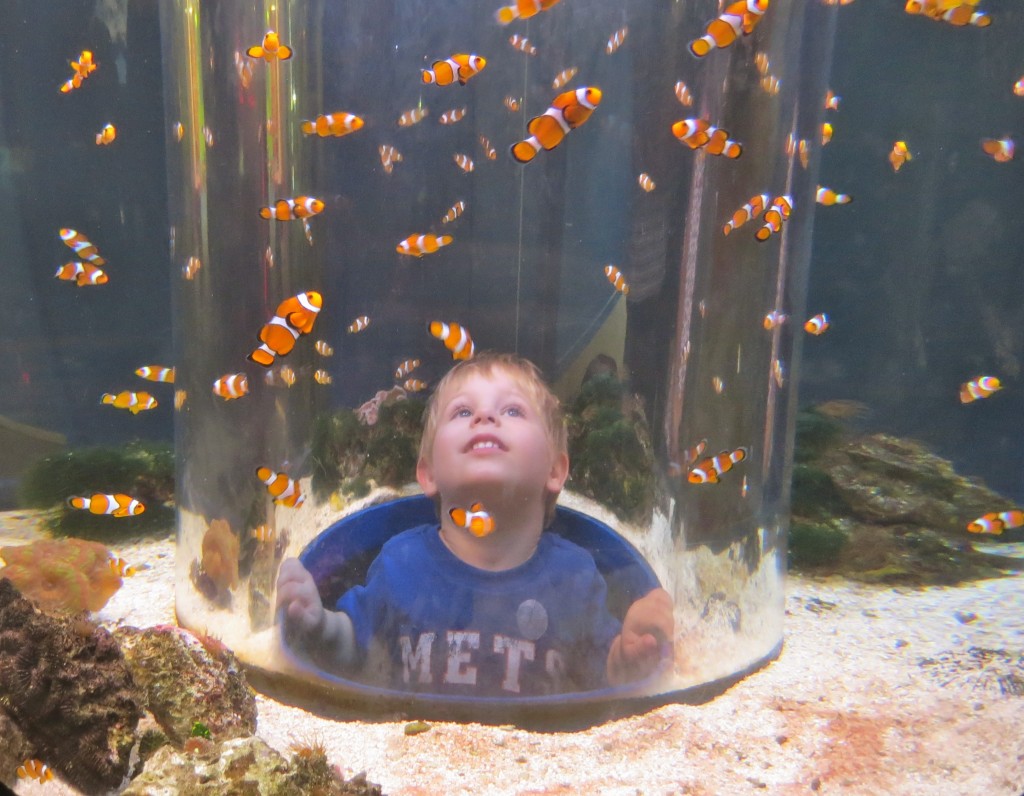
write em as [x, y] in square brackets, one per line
[332, 148]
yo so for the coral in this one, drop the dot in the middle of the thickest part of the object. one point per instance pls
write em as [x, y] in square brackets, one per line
[189, 684]
[62, 575]
[220, 555]
[71, 694]
[144, 470]
[369, 412]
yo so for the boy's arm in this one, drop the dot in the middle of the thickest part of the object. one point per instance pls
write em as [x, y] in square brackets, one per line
[648, 626]
[328, 636]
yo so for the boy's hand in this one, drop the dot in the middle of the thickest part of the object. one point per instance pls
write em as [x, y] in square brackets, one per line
[648, 626]
[298, 596]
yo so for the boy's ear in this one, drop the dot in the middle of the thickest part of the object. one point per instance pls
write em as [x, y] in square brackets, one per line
[559, 472]
[425, 477]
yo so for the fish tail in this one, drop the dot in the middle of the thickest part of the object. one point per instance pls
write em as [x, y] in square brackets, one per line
[266, 213]
[506, 14]
[525, 151]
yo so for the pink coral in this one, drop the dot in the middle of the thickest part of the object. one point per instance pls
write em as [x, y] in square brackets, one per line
[368, 412]
[62, 575]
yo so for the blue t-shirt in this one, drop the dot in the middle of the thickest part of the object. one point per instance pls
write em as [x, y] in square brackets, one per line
[427, 621]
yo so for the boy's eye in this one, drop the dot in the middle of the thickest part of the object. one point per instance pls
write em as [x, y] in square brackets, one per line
[514, 411]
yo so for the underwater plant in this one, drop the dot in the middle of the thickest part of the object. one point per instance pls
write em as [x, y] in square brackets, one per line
[62, 576]
[144, 470]
[814, 545]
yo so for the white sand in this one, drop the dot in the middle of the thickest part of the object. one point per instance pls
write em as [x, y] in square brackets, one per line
[847, 709]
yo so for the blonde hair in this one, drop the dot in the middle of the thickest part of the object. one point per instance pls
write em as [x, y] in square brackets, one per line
[527, 376]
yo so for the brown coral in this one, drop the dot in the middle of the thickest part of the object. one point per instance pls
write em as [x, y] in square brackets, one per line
[220, 555]
[62, 575]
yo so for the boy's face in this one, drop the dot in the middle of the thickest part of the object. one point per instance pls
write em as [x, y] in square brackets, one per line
[491, 440]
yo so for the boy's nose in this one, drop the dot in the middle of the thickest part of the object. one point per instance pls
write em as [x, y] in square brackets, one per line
[484, 415]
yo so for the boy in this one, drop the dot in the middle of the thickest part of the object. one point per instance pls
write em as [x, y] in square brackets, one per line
[510, 612]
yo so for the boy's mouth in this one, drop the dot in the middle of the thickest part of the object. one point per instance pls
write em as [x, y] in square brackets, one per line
[485, 442]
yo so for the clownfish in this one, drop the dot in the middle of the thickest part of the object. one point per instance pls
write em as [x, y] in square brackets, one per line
[270, 49]
[616, 39]
[359, 324]
[752, 209]
[263, 533]
[617, 279]
[414, 385]
[231, 386]
[35, 769]
[418, 245]
[512, 103]
[116, 505]
[83, 67]
[454, 212]
[709, 470]
[899, 155]
[1018, 87]
[775, 318]
[191, 267]
[81, 245]
[156, 373]
[81, 274]
[522, 44]
[770, 84]
[683, 94]
[321, 376]
[828, 197]
[567, 112]
[817, 324]
[774, 217]
[826, 132]
[981, 387]
[412, 116]
[389, 156]
[464, 162]
[1001, 149]
[522, 9]
[485, 144]
[564, 77]
[475, 520]
[335, 124]
[323, 348]
[460, 66]
[646, 182]
[180, 396]
[134, 402]
[452, 116]
[995, 522]
[455, 338]
[107, 135]
[719, 143]
[289, 209]
[121, 568]
[831, 101]
[697, 133]
[739, 17]
[406, 367]
[284, 490]
[294, 316]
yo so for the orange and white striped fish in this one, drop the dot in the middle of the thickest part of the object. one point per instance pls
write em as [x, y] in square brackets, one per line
[406, 367]
[294, 316]
[231, 386]
[83, 67]
[568, 111]
[464, 162]
[321, 376]
[285, 374]
[818, 324]
[106, 136]
[359, 324]
[831, 101]
[475, 520]
[698, 133]
[270, 49]
[485, 144]
[454, 212]
[564, 77]
[121, 568]
[134, 402]
[709, 470]
[116, 505]
[683, 94]
[418, 245]
[81, 274]
[159, 373]
[522, 44]
[334, 124]
[512, 103]
[290, 209]
[899, 155]
[828, 197]
[740, 17]
[751, 210]
[1001, 149]
[263, 533]
[460, 66]
[522, 9]
[995, 522]
[618, 281]
[452, 116]
[191, 267]
[414, 385]
[81, 246]
[389, 156]
[770, 84]
[455, 337]
[323, 348]
[616, 39]
[981, 387]
[775, 318]
[412, 116]
[826, 133]
[284, 490]
[35, 769]
[774, 217]
[646, 182]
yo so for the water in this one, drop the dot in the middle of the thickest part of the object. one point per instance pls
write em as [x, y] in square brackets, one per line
[922, 300]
